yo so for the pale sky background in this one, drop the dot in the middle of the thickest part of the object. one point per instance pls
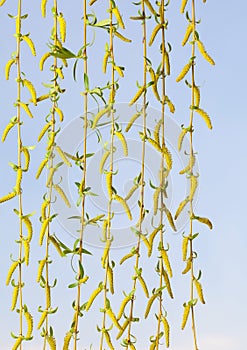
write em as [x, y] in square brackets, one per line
[222, 321]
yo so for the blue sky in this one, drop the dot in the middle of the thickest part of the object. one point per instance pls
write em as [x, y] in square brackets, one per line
[221, 153]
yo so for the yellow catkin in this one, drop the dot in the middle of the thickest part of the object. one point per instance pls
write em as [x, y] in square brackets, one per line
[170, 104]
[126, 257]
[26, 246]
[11, 271]
[40, 269]
[31, 89]
[29, 320]
[124, 204]
[113, 318]
[181, 207]
[145, 241]
[2, 2]
[185, 315]
[43, 59]
[42, 319]
[185, 247]
[8, 67]
[108, 340]
[26, 109]
[122, 139]
[59, 113]
[189, 166]
[150, 7]
[205, 117]
[184, 71]
[62, 195]
[50, 176]
[44, 130]
[6, 130]
[137, 95]
[104, 229]
[154, 33]
[189, 30]
[155, 145]
[43, 97]
[8, 197]
[43, 209]
[62, 26]
[193, 187]
[43, 7]
[109, 183]
[56, 245]
[92, 298]
[63, 156]
[26, 154]
[41, 167]
[48, 296]
[121, 37]
[157, 131]
[52, 342]
[99, 115]
[166, 330]
[131, 192]
[59, 73]
[205, 221]
[106, 253]
[149, 304]
[67, 340]
[43, 230]
[30, 44]
[91, 2]
[166, 261]
[151, 239]
[105, 61]
[14, 297]
[181, 138]
[154, 85]
[119, 19]
[132, 120]
[170, 219]
[110, 279]
[132, 346]
[167, 282]
[124, 326]
[167, 63]
[17, 25]
[188, 266]
[199, 291]
[18, 180]
[143, 284]
[168, 157]
[197, 96]
[183, 5]
[204, 53]
[123, 305]
[17, 343]
[51, 140]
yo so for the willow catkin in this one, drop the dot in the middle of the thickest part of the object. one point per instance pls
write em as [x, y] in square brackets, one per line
[137, 95]
[41, 167]
[145, 241]
[169, 104]
[106, 253]
[42, 319]
[205, 117]
[168, 157]
[157, 131]
[29, 320]
[184, 71]
[188, 266]
[122, 139]
[150, 303]
[99, 115]
[131, 192]
[30, 44]
[26, 246]
[132, 120]
[59, 113]
[49, 180]
[199, 291]
[56, 245]
[167, 282]
[166, 330]
[43, 7]
[154, 85]
[185, 315]
[193, 186]
[204, 53]
[48, 296]
[166, 261]
[143, 284]
[181, 138]
[67, 340]
[189, 166]
[152, 237]
[189, 30]
[126, 257]
[59, 72]
[170, 219]
[8, 127]
[123, 305]
[8, 197]
[197, 96]
[8, 66]
[112, 316]
[52, 342]
[2, 2]
[17, 343]
[92, 298]
[110, 279]
[109, 183]
[124, 326]
[43, 59]
[155, 144]
[51, 140]
[44, 130]
[43, 230]
[181, 207]
[26, 109]
[154, 33]
[62, 27]
[108, 340]
[205, 221]
[40, 269]
[14, 297]
[18, 180]
[167, 63]
[60, 191]
[124, 204]
[63, 156]
[105, 61]
[121, 37]
[185, 247]
[150, 7]
[119, 19]
[183, 5]
[26, 154]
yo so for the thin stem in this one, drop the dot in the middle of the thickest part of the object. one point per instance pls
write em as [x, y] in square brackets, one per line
[142, 182]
